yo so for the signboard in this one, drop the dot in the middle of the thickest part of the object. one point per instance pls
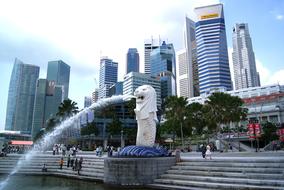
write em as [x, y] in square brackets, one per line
[214, 15]
[280, 133]
[257, 129]
[251, 131]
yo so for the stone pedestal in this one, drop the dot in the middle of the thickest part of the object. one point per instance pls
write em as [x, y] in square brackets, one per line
[135, 171]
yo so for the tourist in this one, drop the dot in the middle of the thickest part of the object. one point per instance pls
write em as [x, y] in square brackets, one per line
[231, 147]
[203, 150]
[80, 165]
[44, 169]
[75, 165]
[68, 161]
[61, 163]
[53, 150]
[274, 146]
[72, 162]
[208, 152]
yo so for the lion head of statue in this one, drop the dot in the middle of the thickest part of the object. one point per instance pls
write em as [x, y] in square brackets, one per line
[146, 101]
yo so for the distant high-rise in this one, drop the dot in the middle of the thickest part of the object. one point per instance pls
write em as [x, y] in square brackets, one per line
[163, 66]
[212, 53]
[21, 97]
[133, 80]
[87, 101]
[95, 95]
[132, 64]
[245, 72]
[108, 76]
[59, 72]
[38, 122]
[149, 46]
[187, 68]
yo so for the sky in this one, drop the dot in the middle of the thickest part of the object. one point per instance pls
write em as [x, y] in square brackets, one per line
[80, 32]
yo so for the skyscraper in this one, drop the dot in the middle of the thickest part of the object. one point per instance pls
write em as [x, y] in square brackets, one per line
[47, 100]
[187, 68]
[133, 80]
[245, 72]
[163, 66]
[59, 72]
[132, 60]
[212, 53]
[21, 97]
[39, 107]
[108, 76]
[149, 46]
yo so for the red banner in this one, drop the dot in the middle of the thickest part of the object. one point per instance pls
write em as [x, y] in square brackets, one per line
[257, 129]
[280, 133]
[251, 131]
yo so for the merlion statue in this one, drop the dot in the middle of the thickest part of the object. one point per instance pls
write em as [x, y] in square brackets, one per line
[146, 107]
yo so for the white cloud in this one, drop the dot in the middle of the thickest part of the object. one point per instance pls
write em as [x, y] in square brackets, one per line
[264, 72]
[279, 17]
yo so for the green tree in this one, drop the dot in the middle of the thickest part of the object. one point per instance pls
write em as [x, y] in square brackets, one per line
[176, 114]
[269, 132]
[67, 108]
[195, 115]
[222, 108]
[115, 127]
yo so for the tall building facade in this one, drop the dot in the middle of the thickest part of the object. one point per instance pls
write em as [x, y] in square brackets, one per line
[21, 97]
[47, 100]
[108, 76]
[95, 95]
[39, 112]
[59, 72]
[132, 60]
[245, 72]
[133, 80]
[212, 53]
[149, 46]
[187, 68]
[163, 65]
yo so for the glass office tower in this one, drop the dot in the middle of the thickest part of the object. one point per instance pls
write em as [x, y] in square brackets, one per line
[245, 71]
[132, 64]
[21, 97]
[59, 72]
[163, 66]
[212, 53]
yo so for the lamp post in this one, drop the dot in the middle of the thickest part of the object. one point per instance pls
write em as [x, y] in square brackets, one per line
[121, 139]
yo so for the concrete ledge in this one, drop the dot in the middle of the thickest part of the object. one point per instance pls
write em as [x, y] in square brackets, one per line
[135, 171]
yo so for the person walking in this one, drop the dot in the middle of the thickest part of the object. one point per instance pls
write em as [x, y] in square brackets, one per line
[208, 152]
[80, 165]
[203, 150]
[76, 165]
[61, 163]
[72, 162]
[68, 161]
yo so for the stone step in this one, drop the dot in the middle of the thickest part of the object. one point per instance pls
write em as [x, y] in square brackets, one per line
[236, 160]
[225, 180]
[228, 174]
[202, 184]
[229, 169]
[230, 164]
[175, 187]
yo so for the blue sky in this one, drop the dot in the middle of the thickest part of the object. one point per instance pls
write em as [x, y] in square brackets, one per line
[79, 32]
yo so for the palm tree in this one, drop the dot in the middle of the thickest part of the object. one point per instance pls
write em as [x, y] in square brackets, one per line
[67, 108]
[222, 108]
[195, 115]
[176, 112]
